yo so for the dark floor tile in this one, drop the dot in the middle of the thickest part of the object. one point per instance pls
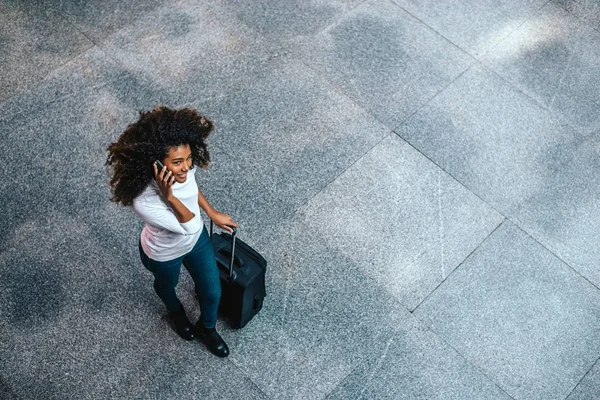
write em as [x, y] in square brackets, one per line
[33, 42]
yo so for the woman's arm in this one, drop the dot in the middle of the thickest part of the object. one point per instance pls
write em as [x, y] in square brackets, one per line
[220, 219]
[165, 180]
[182, 213]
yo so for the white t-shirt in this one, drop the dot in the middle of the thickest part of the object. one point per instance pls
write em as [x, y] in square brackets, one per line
[164, 237]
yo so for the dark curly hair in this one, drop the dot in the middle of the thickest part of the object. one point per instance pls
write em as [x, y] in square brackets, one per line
[130, 158]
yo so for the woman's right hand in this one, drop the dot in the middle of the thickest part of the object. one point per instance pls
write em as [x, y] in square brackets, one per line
[164, 180]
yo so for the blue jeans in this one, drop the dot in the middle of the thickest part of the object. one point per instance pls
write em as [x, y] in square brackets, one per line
[202, 266]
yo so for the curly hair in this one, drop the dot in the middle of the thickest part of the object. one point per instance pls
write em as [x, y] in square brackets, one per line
[131, 157]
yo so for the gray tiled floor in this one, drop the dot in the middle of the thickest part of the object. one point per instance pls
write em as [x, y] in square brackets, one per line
[421, 176]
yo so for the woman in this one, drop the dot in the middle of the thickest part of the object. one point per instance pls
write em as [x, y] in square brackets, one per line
[168, 200]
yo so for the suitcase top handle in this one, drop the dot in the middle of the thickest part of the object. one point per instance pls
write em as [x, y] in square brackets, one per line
[232, 260]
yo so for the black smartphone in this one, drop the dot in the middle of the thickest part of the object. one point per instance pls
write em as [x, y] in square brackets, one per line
[161, 166]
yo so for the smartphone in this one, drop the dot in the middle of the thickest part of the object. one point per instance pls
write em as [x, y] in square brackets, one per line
[161, 166]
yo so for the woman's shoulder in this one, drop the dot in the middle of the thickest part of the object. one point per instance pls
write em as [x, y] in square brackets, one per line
[149, 194]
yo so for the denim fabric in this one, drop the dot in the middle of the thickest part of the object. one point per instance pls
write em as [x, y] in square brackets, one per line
[202, 266]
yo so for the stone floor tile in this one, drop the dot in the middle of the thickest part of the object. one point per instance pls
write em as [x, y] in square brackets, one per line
[283, 138]
[34, 41]
[492, 138]
[587, 389]
[524, 318]
[553, 57]
[416, 364]
[99, 19]
[187, 50]
[81, 75]
[289, 19]
[404, 230]
[476, 28]
[563, 216]
[586, 10]
[384, 59]
[321, 318]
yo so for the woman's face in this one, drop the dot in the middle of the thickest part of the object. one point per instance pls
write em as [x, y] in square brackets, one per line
[179, 162]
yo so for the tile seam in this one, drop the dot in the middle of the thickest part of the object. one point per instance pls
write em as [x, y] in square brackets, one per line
[249, 379]
[336, 177]
[582, 378]
[474, 366]
[530, 235]
[433, 29]
[458, 266]
[580, 19]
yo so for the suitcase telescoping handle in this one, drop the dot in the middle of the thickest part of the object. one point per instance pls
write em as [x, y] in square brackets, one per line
[231, 261]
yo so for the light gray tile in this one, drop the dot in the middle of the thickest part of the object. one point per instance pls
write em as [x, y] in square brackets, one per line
[564, 215]
[278, 20]
[34, 41]
[405, 230]
[518, 313]
[416, 364]
[321, 318]
[586, 10]
[283, 138]
[474, 27]
[587, 389]
[188, 50]
[384, 59]
[99, 18]
[553, 57]
[492, 138]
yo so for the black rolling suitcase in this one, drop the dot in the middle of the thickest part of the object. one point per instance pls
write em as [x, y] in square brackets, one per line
[242, 271]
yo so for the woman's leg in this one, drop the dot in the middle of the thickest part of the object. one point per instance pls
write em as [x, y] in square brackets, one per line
[166, 277]
[202, 266]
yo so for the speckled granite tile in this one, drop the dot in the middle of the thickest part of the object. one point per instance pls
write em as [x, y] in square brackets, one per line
[405, 230]
[284, 138]
[416, 364]
[586, 10]
[100, 18]
[384, 59]
[563, 215]
[518, 313]
[553, 57]
[474, 27]
[289, 19]
[79, 76]
[587, 389]
[33, 42]
[187, 49]
[492, 138]
[322, 317]
[5, 392]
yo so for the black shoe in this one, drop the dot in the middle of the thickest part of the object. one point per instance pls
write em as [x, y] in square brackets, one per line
[182, 324]
[212, 340]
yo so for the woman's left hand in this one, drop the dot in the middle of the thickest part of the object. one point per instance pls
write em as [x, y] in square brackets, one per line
[223, 221]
